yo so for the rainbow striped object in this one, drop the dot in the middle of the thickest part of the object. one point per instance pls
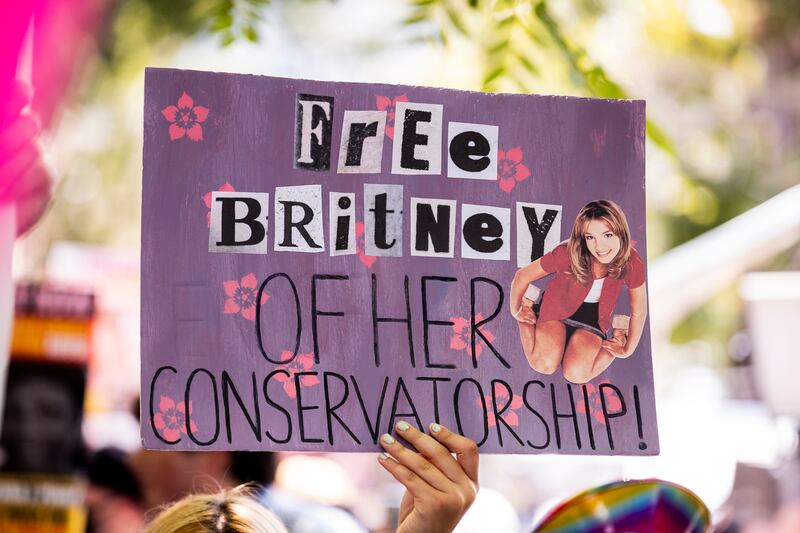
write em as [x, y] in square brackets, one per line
[647, 506]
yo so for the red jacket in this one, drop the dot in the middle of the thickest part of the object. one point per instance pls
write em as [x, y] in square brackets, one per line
[564, 295]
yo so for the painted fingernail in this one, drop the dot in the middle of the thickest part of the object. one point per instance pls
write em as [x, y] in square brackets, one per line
[388, 439]
[402, 426]
[436, 428]
[383, 456]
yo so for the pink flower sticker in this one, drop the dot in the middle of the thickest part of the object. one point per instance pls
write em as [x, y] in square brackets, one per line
[613, 403]
[241, 296]
[510, 169]
[226, 187]
[170, 420]
[501, 395]
[301, 363]
[366, 260]
[185, 119]
[461, 338]
[384, 103]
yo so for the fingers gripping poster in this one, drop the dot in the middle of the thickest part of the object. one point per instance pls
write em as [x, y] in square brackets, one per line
[321, 260]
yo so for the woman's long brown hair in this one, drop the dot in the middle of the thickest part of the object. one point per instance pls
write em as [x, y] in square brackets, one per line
[579, 254]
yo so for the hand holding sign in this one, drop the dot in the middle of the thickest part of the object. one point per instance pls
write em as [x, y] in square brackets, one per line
[440, 487]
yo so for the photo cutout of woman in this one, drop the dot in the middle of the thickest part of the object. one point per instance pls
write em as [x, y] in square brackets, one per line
[569, 322]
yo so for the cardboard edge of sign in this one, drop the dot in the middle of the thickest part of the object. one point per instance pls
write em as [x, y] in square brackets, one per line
[154, 71]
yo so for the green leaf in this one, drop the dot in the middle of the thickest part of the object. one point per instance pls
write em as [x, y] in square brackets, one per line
[423, 2]
[227, 38]
[600, 85]
[543, 15]
[521, 86]
[456, 21]
[473, 4]
[416, 17]
[528, 64]
[535, 35]
[250, 33]
[252, 12]
[505, 21]
[498, 47]
[661, 139]
[222, 22]
[225, 7]
[594, 77]
[493, 75]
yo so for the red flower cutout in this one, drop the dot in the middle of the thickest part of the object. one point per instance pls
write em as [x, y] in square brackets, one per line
[366, 260]
[227, 187]
[613, 403]
[384, 103]
[461, 335]
[170, 420]
[501, 395]
[241, 296]
[301, 363]
[510, 169]
[185, 119]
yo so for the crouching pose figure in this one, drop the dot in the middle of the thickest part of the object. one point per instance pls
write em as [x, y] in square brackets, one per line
[568, 323]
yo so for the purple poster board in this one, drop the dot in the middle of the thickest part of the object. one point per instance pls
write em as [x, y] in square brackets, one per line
[321, 260]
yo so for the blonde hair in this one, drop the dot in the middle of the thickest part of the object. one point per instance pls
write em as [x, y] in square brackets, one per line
[229, 511]
[579, 255]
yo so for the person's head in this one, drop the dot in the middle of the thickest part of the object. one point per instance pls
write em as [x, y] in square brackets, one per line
[166, 476]
[231, 511]
[600, 234]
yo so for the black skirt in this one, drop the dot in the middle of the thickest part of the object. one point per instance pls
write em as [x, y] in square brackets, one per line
[586, 317]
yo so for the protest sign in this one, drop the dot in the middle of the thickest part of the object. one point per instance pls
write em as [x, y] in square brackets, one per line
[42, 504]
[41, 443]
[321, 260]
[43, 408]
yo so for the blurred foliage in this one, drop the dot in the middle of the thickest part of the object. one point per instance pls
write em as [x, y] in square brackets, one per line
[720, 78]
[513, 36]
[516, 38]
[229, 19]
[138, 29]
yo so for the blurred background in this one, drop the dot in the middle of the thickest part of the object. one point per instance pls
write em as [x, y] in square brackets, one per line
[721, 79]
